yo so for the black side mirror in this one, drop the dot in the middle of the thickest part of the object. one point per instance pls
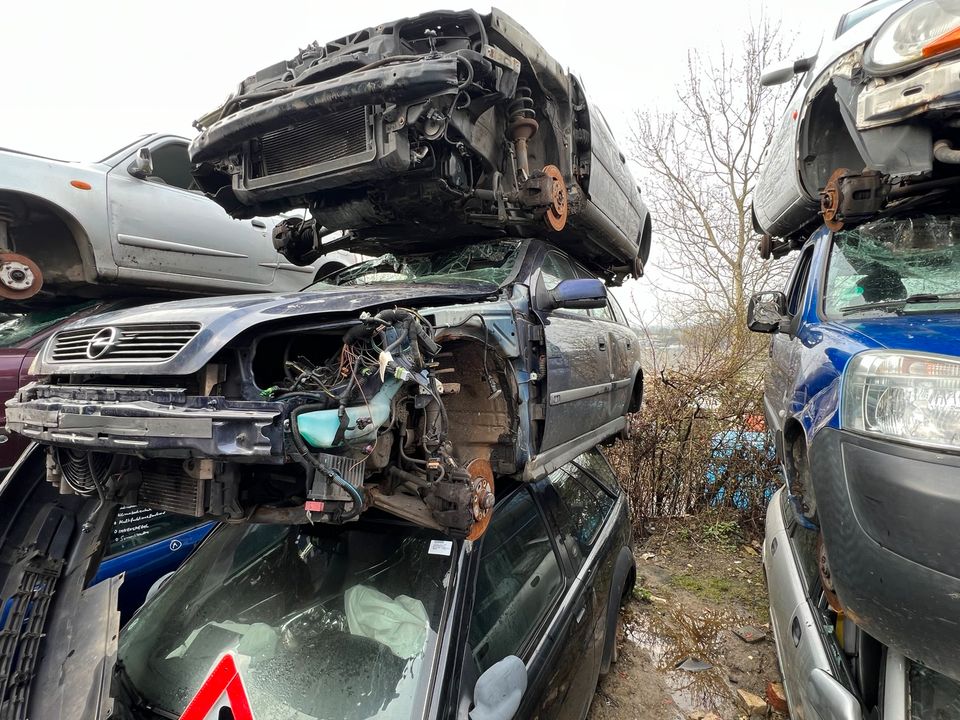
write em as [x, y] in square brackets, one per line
[766, 311]
[142, 166]
[578, 294]
[499, 691]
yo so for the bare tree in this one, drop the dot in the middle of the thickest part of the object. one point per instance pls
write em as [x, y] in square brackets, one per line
[700, 164]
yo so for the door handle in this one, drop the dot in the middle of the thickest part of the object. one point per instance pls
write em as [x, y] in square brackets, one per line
[602, 343]
[259, 224]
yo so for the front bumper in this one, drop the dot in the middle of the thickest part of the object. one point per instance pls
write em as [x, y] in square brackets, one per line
[888, 514]
[928, 89]
[149, 422]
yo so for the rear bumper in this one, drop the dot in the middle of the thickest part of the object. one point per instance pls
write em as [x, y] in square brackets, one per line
[888, 513]
[928, 89]
[150, 422]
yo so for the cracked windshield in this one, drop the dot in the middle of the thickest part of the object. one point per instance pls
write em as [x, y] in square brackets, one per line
[899, 265]
[490, 263]
[325, 623]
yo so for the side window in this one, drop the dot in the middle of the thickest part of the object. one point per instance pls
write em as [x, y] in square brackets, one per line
[518, 583]
[171, 164]
[584, 505]
[797, 285]
[555, 268]
[596, 464]
[135, 527]
[621, 317]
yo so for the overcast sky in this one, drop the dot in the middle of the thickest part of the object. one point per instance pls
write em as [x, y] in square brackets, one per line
[82, 78]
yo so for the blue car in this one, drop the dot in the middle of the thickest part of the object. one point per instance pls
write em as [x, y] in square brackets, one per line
[146, 545]
[863, 399]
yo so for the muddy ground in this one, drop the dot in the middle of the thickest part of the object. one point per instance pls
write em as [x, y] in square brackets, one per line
[698, 580]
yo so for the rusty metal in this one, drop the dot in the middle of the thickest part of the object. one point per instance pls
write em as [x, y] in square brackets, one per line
[830, 200]
[766, 246]
[556, 215]
[20, 277]
[826, 579]
[481, 478]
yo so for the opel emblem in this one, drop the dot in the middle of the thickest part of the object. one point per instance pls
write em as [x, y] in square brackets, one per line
[103, 342]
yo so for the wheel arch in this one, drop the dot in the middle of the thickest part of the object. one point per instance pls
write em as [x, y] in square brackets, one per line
[624, 576]
[47, 224]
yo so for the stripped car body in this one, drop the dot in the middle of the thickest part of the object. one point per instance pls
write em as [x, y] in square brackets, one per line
[404, 389]
[442, 126]
[870, 129]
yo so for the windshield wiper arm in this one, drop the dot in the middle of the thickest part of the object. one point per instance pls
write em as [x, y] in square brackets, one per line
[917, 298]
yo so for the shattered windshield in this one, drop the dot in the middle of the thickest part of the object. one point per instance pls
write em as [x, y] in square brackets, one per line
[899, 265]
[14, 329]
[486, 263]
[324, 622]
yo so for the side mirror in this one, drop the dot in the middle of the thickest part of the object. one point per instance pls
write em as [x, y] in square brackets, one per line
[142, 166]
[498, 692]
[785, 72]
[579, 294]
[765, 312]
[828, 698]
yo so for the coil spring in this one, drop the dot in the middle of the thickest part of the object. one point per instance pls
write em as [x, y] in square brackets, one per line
[522, 105]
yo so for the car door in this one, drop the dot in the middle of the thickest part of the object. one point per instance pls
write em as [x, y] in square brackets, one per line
[580, 508]
[624, 360]
[612, 188]
[785, 348]
[520, 594]
[578, 363]
[163, 226]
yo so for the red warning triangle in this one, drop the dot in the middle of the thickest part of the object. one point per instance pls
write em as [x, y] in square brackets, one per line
[223, 688]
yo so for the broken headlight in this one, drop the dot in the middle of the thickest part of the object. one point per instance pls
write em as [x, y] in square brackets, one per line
[913, 397]
[922, 30]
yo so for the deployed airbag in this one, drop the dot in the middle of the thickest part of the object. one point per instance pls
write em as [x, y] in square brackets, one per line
[400, 623]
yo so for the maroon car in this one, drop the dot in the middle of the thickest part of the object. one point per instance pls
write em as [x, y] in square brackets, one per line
[21, 337]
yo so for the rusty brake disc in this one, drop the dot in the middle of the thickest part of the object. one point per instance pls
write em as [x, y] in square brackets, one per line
[20, 277]
[556, 215]
[481, 478]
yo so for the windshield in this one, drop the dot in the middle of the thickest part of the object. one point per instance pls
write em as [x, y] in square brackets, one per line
[15, 329]
[117, 153]
[488, 263]
[324, 622]
[902, 265]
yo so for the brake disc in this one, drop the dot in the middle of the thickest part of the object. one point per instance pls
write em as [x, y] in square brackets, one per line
[20, 277]
[481, 477]
[556, 215]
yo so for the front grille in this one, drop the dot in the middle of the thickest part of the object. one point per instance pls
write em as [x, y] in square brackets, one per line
[147, 342]
[333, 136]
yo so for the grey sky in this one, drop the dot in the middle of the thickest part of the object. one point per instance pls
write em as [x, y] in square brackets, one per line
[82, 78]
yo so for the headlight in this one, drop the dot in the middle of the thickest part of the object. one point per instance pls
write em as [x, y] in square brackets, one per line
[911, 397]
[921, 30]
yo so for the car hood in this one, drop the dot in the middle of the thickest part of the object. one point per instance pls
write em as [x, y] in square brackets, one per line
[938, 334]
[223, 318]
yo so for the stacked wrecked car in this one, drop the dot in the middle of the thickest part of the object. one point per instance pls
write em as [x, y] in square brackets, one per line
[481, 344]
[861, 390]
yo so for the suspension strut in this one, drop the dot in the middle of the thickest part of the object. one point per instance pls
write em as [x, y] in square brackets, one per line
[522, 126]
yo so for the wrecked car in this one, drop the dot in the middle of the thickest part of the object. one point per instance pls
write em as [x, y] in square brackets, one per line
[130, 223]
[425, 130]
[863, 399]
[870, 127]
[376, 618]
[406, 383]
[831, 667]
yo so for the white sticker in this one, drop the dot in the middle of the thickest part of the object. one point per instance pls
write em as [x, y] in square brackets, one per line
[440, 547]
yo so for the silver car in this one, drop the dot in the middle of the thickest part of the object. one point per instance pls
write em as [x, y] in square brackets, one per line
[831, 667]
[134, 218]
[869, 127]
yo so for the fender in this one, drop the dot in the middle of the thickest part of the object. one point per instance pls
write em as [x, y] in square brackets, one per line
[623, 569]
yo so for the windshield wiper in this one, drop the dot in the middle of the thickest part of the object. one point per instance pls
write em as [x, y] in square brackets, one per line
[918, 298]
[131, 697]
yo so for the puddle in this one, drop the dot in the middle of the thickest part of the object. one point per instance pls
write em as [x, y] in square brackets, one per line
[674, 637]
